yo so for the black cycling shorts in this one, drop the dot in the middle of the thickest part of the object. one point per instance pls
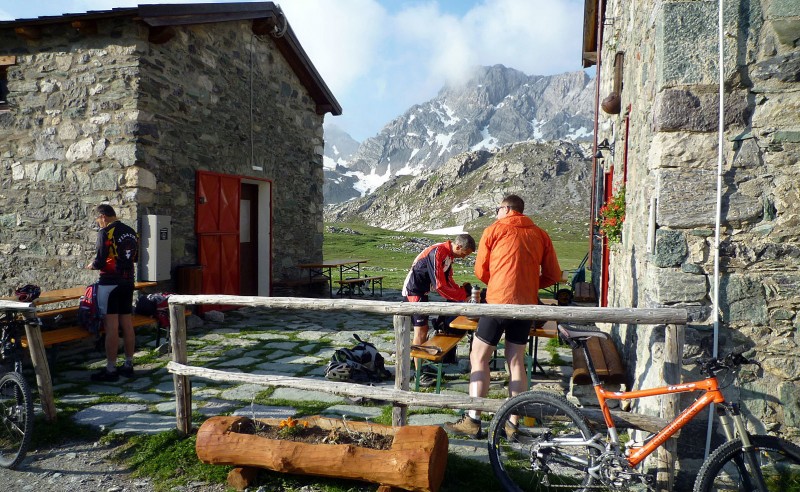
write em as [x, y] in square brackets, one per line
[491, 329]
[418, 319]
[120, 300]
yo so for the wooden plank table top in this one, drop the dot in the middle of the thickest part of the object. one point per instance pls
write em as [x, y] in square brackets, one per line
[72, 293]
[464, 323]
[548, 330]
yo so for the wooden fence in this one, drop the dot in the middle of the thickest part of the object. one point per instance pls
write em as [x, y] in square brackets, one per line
[673, 319]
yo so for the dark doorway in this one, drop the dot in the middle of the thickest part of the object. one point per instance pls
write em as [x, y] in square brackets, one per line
[248, 240]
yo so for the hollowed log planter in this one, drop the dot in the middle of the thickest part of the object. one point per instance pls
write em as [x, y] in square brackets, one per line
[416, 460]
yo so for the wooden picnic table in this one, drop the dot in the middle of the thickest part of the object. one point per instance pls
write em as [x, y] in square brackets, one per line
[325, 269]
[33, 335]
[548, 330]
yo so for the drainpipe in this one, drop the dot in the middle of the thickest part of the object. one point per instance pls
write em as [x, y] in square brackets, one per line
[720, 141]
[592, 205]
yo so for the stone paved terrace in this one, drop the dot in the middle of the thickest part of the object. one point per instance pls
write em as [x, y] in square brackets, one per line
[257, 341]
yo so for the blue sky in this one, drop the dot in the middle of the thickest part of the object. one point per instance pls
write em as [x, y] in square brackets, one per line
[379, 57]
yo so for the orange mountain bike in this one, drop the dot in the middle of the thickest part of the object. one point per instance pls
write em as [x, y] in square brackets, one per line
[540, 441]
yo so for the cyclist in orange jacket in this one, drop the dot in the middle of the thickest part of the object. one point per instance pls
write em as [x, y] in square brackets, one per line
[515, 259]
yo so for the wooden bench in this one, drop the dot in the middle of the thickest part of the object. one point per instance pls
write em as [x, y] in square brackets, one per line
[353, 286]
[606, 361]
[432, 352]
[584, 292]
[52, 313]
[76, 332]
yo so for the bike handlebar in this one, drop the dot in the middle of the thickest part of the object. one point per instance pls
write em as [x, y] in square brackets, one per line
[712, 365]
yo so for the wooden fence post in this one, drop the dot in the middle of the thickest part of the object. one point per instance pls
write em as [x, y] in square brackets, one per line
[402, 338]
[667, 455]
[39, 361]
[183, 386]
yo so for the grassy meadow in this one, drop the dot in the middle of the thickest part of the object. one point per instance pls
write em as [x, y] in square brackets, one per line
[390, 253]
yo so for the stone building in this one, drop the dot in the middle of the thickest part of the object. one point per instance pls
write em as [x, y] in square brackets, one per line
[657, 136]
[208, 114]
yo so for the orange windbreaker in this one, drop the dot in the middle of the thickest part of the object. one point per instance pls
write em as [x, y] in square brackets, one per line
[515, 259]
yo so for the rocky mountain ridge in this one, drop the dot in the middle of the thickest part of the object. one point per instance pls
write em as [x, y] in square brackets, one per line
[552, 178]
[496, 107]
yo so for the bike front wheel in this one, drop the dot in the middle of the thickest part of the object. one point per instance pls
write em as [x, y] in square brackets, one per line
[546, 449]
[727, 469]
[16, 419]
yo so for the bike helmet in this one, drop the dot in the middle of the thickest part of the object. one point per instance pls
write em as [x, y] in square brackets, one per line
[28, 293]
[337, 371]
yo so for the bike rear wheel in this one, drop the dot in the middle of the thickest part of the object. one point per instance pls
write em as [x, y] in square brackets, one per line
[544, 452]
[727, 469]
[16, 419]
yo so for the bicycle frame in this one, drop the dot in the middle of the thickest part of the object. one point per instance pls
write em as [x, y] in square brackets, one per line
[636, 454]
[10, 345]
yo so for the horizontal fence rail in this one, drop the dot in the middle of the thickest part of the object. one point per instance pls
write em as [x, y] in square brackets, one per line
[570, 314]
[22, 307]
[411, 398]
[674, 320]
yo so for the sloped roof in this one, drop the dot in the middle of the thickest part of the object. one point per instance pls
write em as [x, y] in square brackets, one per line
[590, 14]
[183, 14]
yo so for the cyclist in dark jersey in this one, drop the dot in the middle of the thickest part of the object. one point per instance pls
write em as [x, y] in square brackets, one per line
[117, 250]
[432, 269]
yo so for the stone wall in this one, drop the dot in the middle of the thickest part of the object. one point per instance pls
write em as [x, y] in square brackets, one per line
[670, 82]
[65, 143]
[113, 118]
[195, 98]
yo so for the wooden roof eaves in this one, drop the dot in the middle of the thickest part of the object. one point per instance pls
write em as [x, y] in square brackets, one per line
[163, 15]
[590, 10]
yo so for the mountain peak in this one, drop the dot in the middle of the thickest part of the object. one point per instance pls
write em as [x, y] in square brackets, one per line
[495, 106]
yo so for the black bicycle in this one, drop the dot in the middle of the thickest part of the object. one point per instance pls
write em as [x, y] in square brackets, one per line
[16, 402]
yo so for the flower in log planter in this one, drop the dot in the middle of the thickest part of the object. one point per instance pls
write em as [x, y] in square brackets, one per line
[415, 460]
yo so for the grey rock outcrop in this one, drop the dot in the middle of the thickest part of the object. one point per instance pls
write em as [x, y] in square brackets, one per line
[552, 178]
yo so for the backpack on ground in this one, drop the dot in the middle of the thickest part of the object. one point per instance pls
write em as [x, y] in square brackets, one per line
[89, 316]
[360, 364]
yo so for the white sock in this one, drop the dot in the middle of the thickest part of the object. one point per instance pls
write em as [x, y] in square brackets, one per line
[474, 415]
[111, 366]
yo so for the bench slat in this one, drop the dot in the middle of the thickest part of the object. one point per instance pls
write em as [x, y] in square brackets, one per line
[606, 361]
[357, 280]
[55, 312]
[445, 342]
[352, 286]
[76, 332]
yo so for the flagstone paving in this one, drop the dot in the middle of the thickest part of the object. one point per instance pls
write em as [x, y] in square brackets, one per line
[254, 341]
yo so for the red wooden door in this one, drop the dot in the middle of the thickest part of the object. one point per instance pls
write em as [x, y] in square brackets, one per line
[217, 228]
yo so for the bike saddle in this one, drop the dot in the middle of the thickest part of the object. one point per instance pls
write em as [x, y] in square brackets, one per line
[579, 332]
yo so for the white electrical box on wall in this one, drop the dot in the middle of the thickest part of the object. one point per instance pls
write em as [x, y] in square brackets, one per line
[155, 243]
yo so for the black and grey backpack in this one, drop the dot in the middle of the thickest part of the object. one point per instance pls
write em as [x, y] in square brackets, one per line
[360, 364]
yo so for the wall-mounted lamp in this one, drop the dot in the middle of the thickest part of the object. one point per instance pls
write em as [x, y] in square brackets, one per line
[604, 145]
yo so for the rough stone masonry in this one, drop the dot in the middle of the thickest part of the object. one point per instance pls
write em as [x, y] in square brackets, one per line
[112, 117]
[667, 137]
